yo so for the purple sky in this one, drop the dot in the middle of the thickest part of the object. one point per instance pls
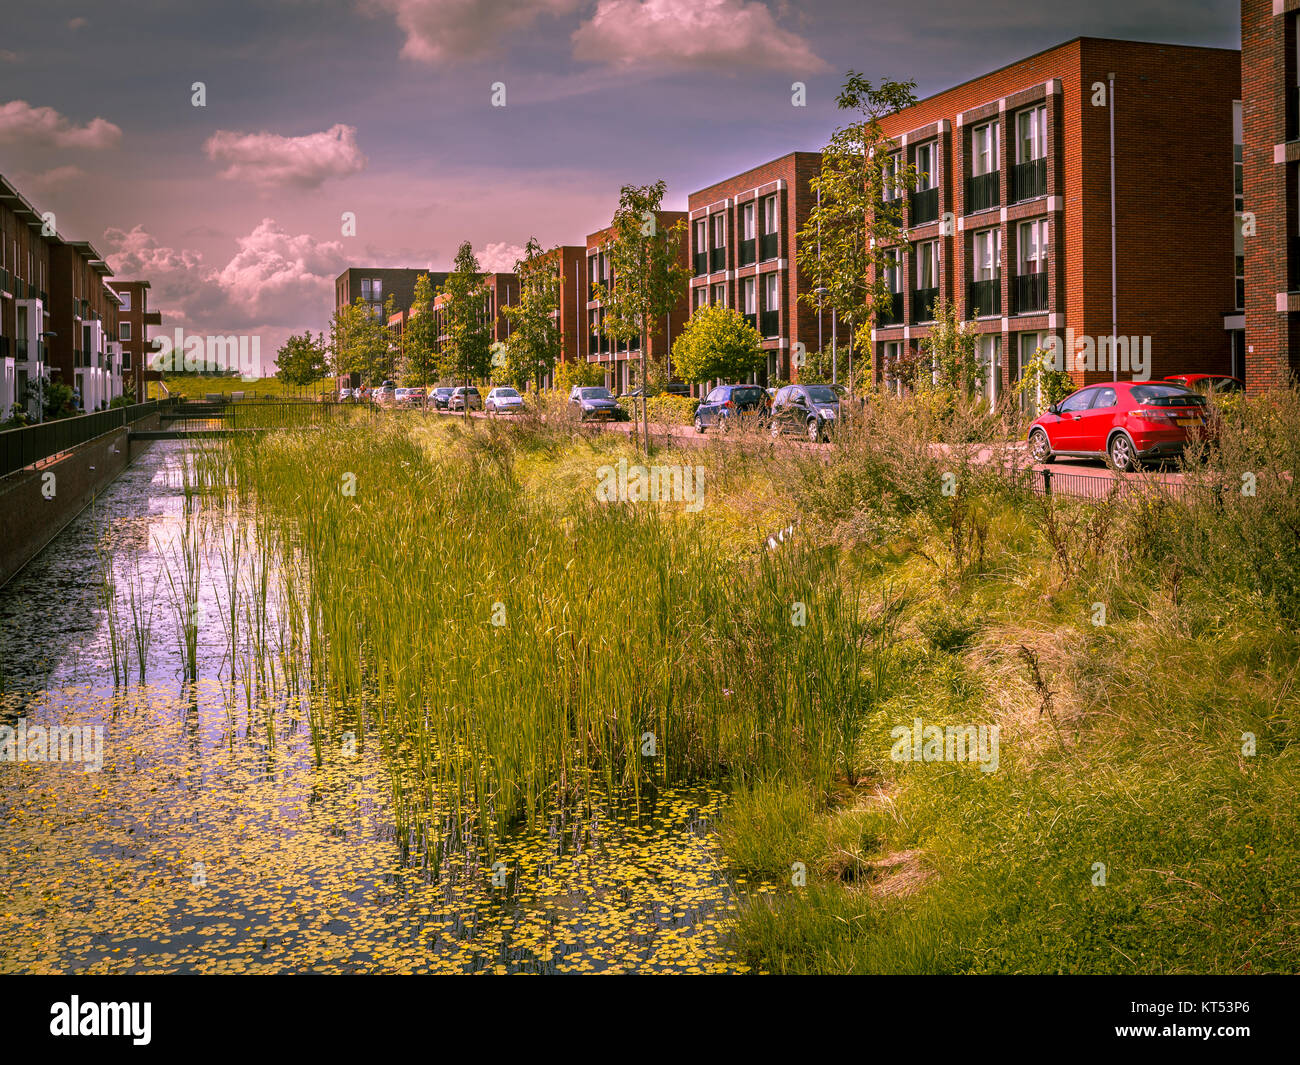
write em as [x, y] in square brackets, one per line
[383, 108]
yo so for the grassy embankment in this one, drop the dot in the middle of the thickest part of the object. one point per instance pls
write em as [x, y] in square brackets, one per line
[511, 641]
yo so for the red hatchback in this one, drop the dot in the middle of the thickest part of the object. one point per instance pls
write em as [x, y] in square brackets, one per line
[1124, 421]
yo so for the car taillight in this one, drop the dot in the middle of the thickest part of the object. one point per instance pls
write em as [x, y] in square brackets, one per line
[729, 404]
[1150, 415]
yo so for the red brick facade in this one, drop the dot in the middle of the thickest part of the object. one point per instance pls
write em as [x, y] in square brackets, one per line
[723, 259]
[1174, 203]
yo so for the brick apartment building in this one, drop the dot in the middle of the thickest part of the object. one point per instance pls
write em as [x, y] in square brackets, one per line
[1271, 189]
[1012, 218]
[619, 357]
[84, 350]
[375, 284]
[24, 300]
[743, 241]
[134, 318]
[569, 262]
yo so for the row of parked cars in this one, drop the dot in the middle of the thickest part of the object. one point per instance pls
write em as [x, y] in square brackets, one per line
[503, 400]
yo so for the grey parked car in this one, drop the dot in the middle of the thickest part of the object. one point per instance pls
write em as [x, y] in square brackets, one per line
[466, 399]
[813, 410]
[593, 401]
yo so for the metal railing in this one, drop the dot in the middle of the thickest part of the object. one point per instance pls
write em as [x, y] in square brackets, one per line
[1029, 180]
[924, 206]
[985, 297]
[983, 191]
[768, 247]
[1029, 293]
[24, 447]
[718, 260]
[923, 303]
[748, 252]
[893, 313]
[701, 263]
[769, 323]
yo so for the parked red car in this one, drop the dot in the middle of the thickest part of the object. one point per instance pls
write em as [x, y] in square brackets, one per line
[1205, 383]
[1125, 421]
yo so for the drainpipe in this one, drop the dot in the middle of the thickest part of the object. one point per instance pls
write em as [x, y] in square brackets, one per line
[1114, 267]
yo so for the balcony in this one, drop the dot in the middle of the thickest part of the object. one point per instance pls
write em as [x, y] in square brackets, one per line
[752, 319]
[767, 247]
[924, 207]
[892, 312]
[748, 252]
[983, 191]
[718, 260]
[1029, 180]
[923, 301]
[701, 263]
[1293, 264]
[1293, 113]
[769, 323]
[985, 297]
[1029, 293]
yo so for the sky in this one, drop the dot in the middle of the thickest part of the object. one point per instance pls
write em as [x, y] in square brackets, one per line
[233, 211]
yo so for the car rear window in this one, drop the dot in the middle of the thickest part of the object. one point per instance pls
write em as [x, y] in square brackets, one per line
[1167, 396]
[822, 394]
[594, 393]
[753, 394]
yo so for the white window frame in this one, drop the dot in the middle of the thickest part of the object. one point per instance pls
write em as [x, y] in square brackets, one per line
[927, 251]
[986, 248]
[1038, 227]
[769, 214]
[927, 176]
[984, 140]
[772, 291]
[1037, 139]
[124, 331]
[749, 296]
[720, 289]
[748, 221]
[719, 230]
[894, 271]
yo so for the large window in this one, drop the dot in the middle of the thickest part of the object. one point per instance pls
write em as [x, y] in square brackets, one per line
[747, 218]
[748, 296]
[988, 351]
[771, 292]
[701, 236]
[889, 173]
[988, 254]
[894, 270]
[769, 214]
[124, 331]
[927, 166]
[1031, 134]
[927, 264]
[720, 295]
[720, 230]
[1032, 247]
[984, 149]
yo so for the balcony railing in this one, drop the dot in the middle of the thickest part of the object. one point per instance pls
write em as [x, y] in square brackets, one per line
[718, 260]
[892, 312]
[4, 280]
[748, 252]
[1293, 113]
[982, 192]
[985, 297]
[1029, 180]
[701, 263]
[20, 350]
[769, 323]
[924, 206]
[767, 246]
[923, 302]
[752, 319]
[593, 344]
[1029, 293]
[1293, 264]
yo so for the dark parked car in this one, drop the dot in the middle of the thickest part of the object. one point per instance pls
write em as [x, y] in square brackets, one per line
[593, 401]
[1126, 421]
[729, 406]
[812, 410]
[441, 397]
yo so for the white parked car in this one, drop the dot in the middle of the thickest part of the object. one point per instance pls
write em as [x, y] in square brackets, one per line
[504, 401]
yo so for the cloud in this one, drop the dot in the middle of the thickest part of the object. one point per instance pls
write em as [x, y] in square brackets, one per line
[700, 34]
[275, 279]
[44, 127]
[270, 160]
[499, 257]
[6, 56]
[59, 175]
[450, 30]
[78, 23]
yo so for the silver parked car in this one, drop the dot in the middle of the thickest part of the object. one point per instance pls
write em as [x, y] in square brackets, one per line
[504, 401]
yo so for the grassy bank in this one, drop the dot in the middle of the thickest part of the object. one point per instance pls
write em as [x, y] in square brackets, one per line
[459, 596]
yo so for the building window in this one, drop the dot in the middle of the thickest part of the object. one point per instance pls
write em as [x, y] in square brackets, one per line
[988, 254]
[769, 214]
[365, 288]
[701, 236]
[377, 289]
[720, 230]
[747, 221]
[124, 331]
[1032, 247]
[927, 264]
[889, 176]
[720, 295]
[749, 296]
[890, 352]
[894, 270]
[126, 360]
[771, 292]
[988, 350]
[984, 149]
[699, 297]
[125, 297]
[927, 166]
[1031, 134]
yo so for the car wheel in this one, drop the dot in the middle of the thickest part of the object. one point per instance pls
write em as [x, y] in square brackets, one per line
[1040, 448]
[1122, 454]
[699, 424]
[814, 431]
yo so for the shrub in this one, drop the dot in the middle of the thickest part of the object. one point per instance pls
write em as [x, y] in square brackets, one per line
[666, 409]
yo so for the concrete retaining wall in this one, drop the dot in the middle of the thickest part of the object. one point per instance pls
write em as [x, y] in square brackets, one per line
[34, 506]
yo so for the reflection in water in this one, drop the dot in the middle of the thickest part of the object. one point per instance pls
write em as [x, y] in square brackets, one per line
[219, 838]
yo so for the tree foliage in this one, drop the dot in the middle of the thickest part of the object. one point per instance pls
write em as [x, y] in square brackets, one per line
[717, 343]
[466, 352]
[420, 337]
[534, 343]
[301, 360]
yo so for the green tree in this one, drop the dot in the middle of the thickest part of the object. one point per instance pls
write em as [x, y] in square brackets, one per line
[848, 241]
[717, 343]
[578, 372]
[301, 360]
[360, 343]
[650, 277]
[421, 335]
[534, 344]
[466, 353]
[950, 348]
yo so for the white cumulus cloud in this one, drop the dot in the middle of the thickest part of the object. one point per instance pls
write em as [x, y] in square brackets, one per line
[271, 160]
[499, 257]
[722, 34]
[44, 127]
[449, 30]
